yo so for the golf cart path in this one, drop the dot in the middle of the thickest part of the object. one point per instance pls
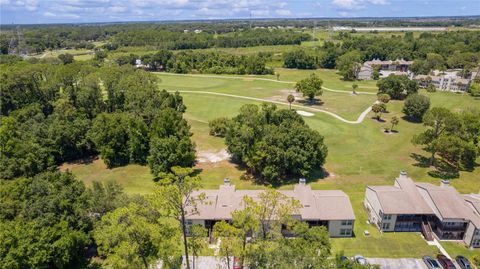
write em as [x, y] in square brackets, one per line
[256, 78]
[359, 119]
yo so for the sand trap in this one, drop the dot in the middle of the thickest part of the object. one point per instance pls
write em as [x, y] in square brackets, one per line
[304, 113]
[212, 156]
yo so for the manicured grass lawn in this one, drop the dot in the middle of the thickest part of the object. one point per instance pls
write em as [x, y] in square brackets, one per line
[359, 155]
[454, 249]
[135, 179]
[346, 105]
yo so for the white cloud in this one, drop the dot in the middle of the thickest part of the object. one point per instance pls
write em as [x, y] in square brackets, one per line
[356, 4]
[283, 12]
[347, 4]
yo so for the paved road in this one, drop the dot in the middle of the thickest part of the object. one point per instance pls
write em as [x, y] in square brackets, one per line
[359, 119]
[257, 78]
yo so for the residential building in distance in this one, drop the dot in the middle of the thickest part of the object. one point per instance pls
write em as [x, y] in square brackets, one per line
[329, 208]
[444, 81]
[438, 211]
[385, 68]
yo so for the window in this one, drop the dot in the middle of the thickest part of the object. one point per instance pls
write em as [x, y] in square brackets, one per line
[387, 217]
[385, 226]
[345, 232]
[189, 222]
[476, 243]
[347, 222]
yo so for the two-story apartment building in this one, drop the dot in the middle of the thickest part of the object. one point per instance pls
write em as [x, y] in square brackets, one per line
[423, 207]
[397, 67]
[329, 208]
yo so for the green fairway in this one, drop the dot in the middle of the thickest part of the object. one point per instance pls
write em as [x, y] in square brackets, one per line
[347, 105]
[359, 154]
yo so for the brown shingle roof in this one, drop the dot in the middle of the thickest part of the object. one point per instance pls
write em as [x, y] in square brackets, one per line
[449, 203]
[403, 198]
[317, 204]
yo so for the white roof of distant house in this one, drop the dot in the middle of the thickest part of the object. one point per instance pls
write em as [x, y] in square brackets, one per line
[403, 198]
[316, 204]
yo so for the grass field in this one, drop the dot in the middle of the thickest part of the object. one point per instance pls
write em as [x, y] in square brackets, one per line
[78, 54]
[359, 154]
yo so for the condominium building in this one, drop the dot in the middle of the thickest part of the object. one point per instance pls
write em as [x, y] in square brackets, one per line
[438, 211]
[329, 208]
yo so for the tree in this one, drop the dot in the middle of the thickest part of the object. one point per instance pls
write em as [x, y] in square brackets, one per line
[229, 240]
[474, 89]
[354, 88]
[348, 64]
[274, 144]
[378, 109]
[415, 106]
[299, 59]
[135, 236]
[310, 248]
[290, 99]
[100, 55]
[197, 237]
[397, 87]
[170, 143]
[440, 122]
[66, 58]
[394, 121]
[310, 87]
[384, 98]
[176, 198]
[120, 138]
[44, 222]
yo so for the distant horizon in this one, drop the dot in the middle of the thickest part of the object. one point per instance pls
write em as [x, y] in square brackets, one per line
[31, 12]
[465, 17]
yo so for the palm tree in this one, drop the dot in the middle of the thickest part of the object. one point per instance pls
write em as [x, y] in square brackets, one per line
[290, 99]
[354, 88]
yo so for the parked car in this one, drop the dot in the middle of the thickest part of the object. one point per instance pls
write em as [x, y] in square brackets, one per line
[445, 262]
[463, 262]
[360, 259]
[431, 262]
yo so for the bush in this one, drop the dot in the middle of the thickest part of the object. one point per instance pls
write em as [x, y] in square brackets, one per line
[415, 107]
[218, 126]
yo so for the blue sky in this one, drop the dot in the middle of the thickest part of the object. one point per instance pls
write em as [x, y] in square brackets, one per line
[70, 11]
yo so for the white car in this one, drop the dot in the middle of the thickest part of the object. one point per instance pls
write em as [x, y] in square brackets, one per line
[360, 259]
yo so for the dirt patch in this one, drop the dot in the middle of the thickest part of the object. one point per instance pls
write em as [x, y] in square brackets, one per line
[282, 96]
[212, 156]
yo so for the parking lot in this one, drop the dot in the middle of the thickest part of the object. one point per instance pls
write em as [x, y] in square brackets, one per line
[398, 263]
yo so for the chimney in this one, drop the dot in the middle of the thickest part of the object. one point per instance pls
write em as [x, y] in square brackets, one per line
[226, 181]
[444, 183]
[302, 181]
[403, 174]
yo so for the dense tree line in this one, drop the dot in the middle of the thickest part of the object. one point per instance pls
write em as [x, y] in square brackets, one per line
[203, 62]
[459, 49]
[57, 113]
[46, 220]
[190, 40]
[273, 144]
